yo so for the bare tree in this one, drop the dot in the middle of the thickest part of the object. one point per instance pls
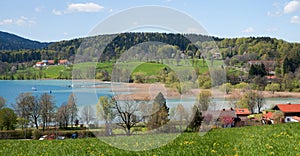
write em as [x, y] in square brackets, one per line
[259, 100]
[28, 107]
[63, 116]
[127, 111]
[87, 114]
[252, 99]
[47, 108]
[72, 108]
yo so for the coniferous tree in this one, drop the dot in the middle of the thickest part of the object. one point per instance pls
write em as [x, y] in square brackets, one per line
[197, 119]
[160, 112]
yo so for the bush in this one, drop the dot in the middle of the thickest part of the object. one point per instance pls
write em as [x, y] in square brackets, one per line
[36, 134]
[16, 134]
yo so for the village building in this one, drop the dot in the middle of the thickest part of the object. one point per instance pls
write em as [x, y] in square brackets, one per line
[51, 62]
[242, 113]
[290, 111]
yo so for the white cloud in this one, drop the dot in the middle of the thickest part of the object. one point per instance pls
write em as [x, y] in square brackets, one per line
[249, 30]
[84, 7]
[56, 12]
[6, 22]
[292, 6]
[295, 20]
[79, 7]
[22, 21]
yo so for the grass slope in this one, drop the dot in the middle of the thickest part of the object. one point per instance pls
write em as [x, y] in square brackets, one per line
[283, 139]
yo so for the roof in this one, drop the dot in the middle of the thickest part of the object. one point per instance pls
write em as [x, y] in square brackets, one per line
[271, 77]
[62, 61]
[242, 111]
[288, 108]
[51, 61]
[40, 63]
[268, 115]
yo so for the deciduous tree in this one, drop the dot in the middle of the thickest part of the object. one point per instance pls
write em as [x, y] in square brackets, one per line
[87, 114]
[203, 100]
[47, 109]
[105, 110]
[28, 107]
[72, 108]
[127, 110]
[8, 119]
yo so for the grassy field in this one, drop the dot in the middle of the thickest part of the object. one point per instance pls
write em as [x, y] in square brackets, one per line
[57, 72]
[282, 139]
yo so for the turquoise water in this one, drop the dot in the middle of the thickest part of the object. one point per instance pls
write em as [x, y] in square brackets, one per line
[10, 89]
[86, 93]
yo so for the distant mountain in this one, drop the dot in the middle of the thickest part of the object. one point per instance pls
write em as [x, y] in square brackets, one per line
[13, 42]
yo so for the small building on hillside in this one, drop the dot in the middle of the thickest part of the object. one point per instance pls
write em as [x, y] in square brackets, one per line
[40, 64]
[63, 62]
[289, 110]
[50, 62]
[242, 113]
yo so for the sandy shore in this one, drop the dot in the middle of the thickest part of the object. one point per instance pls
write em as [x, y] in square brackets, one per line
[149, 92]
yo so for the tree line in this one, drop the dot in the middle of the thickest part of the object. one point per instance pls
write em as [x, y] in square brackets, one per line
[121, 111]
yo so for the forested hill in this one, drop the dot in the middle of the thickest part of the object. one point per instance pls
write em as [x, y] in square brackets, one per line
[13, 42]
[192, 45]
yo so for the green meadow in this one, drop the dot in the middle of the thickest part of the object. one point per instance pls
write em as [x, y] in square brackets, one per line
[280, 139]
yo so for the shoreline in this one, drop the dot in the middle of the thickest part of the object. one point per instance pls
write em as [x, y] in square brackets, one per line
[147, 91]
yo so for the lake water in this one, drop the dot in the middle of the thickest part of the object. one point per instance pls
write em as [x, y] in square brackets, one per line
[87, 94]
[59, 89]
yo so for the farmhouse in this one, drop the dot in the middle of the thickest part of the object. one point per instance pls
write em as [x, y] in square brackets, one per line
[51, 62]
[289, 110]
[40, 64]
[242, 113]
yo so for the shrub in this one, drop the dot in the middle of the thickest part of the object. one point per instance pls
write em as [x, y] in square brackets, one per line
[36, 134]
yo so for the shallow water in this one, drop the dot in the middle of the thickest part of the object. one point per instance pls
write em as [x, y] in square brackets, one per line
[87, 94]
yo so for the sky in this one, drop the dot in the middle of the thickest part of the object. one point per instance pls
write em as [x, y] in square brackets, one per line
[56, 20]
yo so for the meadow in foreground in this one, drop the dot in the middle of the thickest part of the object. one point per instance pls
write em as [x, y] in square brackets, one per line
[281, 139]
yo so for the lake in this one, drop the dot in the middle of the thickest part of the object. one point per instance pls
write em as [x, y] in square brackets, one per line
[87, 94]
[59, 89]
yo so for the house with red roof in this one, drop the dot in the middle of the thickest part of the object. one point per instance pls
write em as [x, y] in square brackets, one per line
[40, 64]
[242, 113]
[63, 62]
[50, 62]
[289, 110]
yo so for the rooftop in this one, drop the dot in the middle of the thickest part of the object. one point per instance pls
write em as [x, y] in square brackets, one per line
[242, 111]
[288, 108]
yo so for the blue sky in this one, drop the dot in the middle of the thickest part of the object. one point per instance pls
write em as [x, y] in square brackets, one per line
[54, 20]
